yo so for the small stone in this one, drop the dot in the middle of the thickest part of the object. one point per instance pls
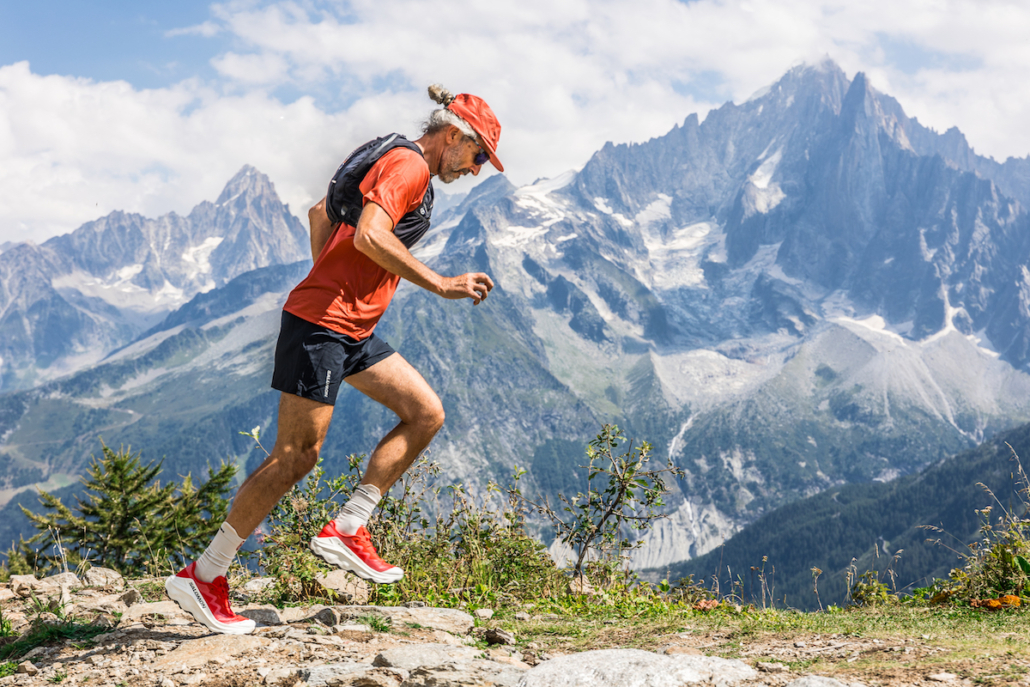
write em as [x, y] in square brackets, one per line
[23, 585]
[800, 645]
[103, 577]
[680, 650]
[942, 677]
[27, 668]
[300, 614]
[446, 638]
[414, 604]
[496, 636]
[328, 616]
[131, 597]
[523, 616]
[258, 584]
[580, 586]
[483, 613]
[167, 683]
[6, 594]
[263, 614]
[772, 667]
[351, 589]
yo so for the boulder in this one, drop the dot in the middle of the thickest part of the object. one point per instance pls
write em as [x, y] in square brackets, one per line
[103, 577]
[624, 667]
[418, 655]
[197, 652]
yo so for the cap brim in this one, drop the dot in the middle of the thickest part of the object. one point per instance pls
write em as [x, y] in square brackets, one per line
[496, 162]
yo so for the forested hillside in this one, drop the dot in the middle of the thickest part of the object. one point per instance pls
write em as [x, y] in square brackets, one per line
[870, 526]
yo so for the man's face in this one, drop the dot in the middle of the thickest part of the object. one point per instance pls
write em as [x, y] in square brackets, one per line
[458, 159]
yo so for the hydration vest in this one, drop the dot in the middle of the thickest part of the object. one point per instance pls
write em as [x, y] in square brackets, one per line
[343, 199]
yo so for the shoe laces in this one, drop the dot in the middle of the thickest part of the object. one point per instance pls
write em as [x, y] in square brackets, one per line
[364, 540]
[221, 586]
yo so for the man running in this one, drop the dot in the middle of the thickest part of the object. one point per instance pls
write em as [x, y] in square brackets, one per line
[377, 207]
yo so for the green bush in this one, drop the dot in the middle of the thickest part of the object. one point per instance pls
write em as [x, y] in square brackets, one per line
[128, 521]
[470, 551]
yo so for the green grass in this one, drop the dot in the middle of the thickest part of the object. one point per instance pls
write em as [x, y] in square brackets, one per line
[46, 634]
[8, 668]
[376, 623]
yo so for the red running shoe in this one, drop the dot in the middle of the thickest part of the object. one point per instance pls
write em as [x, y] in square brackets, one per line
[354, 553]
[207, 602]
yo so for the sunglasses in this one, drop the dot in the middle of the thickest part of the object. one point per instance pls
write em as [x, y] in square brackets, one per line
[481, 157]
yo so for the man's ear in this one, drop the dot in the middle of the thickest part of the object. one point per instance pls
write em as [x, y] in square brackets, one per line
[453, 134]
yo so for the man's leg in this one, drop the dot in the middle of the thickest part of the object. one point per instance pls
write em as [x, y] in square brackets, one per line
[303, 424]
[200, 588]
[396, 384]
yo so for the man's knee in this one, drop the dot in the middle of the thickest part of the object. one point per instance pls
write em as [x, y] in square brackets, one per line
[299, 461]
[431, 416]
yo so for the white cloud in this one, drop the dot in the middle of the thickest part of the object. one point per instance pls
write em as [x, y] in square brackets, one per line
[563, 78]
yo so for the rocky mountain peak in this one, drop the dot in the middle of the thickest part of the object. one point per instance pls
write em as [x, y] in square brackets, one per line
[247, 182]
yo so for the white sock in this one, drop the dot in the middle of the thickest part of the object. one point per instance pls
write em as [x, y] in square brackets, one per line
[215, 560]
[356, 512]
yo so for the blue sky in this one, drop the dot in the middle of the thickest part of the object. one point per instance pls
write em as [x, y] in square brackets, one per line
[108, 40]
[151, 107]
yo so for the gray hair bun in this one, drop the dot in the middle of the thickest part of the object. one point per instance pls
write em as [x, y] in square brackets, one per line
[440, 95]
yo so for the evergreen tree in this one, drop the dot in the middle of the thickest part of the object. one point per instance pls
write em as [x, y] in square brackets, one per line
[128, 521]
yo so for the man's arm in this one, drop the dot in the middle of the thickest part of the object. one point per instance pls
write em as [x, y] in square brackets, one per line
[375, 238]
[321, 228]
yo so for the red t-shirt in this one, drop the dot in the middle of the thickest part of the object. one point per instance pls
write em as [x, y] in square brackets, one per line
[346, 291]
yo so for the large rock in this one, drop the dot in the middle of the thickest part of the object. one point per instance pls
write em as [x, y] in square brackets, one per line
[477, 673]
[103, 577]
[198, 652]
[444, 665]
[55, 582]
[446, 619]
[334, 674]
[420, 655]
[634, 668]
[159, 609]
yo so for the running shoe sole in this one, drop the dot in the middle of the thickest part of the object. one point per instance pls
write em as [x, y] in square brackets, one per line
[334, 552]
[184, 592]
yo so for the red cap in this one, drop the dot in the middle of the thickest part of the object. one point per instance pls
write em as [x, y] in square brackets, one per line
[481, 118]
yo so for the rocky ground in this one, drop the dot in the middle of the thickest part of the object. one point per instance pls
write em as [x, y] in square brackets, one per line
[152, 643]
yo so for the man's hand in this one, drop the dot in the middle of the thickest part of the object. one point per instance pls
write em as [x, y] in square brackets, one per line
[474, 285]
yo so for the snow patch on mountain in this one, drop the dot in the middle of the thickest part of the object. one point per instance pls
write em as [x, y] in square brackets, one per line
[197, 260]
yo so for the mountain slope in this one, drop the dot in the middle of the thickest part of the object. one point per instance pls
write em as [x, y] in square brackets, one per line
[784, 298]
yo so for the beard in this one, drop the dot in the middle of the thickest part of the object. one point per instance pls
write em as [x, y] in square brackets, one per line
[450, 165]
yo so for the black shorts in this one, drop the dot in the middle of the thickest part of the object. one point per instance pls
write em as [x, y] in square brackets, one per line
[311, 361]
